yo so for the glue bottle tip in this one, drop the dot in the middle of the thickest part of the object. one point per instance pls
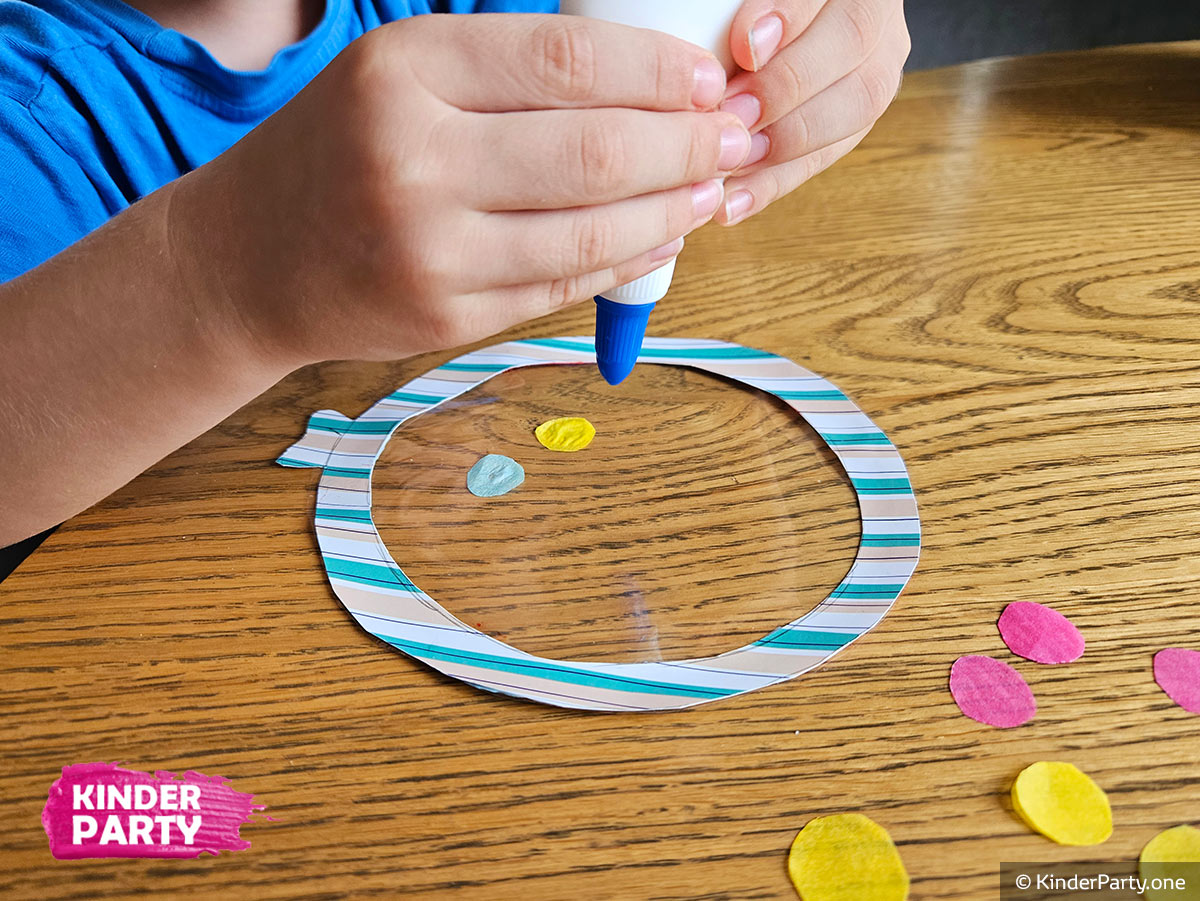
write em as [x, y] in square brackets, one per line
[620, 328]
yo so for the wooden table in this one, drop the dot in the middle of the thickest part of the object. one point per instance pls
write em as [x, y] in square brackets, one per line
[1006, 276]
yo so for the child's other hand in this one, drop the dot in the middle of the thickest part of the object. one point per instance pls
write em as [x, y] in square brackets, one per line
[819, 73]
[449, 176]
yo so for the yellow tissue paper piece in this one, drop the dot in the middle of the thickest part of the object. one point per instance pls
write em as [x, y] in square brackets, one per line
[572, 433]
[1062, 803]
[1172, 854]
[846, 857]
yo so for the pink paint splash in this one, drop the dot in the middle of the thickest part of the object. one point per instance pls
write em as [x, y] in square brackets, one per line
[1177, 672]
[1040, 633]
[990, 691]
[103, 810]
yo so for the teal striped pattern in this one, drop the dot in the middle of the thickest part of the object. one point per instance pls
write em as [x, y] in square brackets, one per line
[905, 539]
[867, 591]
[854, 439]
[832, 394]
[386, 603]
[354, 427]
[347, 472]
[414, 398]
[473, 367]
[881, 486]
[344, 514]
[555, 671]
[725, 352]
[806, 639]
[368, 573]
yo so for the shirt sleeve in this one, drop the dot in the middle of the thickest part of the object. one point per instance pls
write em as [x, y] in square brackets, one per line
[46, 200]
[499, 6]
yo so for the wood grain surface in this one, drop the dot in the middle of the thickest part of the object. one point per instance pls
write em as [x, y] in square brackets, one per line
[1005, 276]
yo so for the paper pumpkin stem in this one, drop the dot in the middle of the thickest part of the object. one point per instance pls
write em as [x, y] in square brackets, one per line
[325, 428]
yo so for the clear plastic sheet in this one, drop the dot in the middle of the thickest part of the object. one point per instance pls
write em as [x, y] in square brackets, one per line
[704, 514]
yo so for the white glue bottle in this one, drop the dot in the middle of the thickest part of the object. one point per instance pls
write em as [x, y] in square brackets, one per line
[622, 313]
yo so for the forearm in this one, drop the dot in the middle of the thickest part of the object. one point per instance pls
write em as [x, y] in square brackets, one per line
[414, 197]
[113, 354]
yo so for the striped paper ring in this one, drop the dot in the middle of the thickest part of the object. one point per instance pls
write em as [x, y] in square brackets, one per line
[385, 602]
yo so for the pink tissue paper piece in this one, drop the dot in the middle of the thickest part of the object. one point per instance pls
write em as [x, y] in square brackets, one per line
[1177, 672]
[104, 810]
[991, 692]
[1038, 633]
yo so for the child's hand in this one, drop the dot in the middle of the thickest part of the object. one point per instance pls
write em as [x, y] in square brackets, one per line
[819, 73]
[449, 176]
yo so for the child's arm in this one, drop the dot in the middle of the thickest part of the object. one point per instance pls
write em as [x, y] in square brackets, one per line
[443, 179]
[114, 353]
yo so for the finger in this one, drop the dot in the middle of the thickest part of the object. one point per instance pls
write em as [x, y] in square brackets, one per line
[554, 159]
[761, 27]
[844, 109]
[544, 246]
[843, 35]
[493, 311]
[493, 63]
[751, 194]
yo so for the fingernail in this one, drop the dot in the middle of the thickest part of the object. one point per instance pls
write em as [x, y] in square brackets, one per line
[666, 251]
[760, 146]
[735, 144]
[737, 207]
[708, 83]
[764, 39]
[746, 107]
[706, 198]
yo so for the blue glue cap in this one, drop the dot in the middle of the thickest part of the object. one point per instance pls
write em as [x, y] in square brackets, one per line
[621, 317]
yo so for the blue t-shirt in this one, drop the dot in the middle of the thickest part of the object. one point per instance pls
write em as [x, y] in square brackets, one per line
[100, 105]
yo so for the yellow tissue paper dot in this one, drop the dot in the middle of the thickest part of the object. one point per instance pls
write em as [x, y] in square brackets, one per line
[846, 857]
[572, 433]
[1175, 855]
[1062, 803]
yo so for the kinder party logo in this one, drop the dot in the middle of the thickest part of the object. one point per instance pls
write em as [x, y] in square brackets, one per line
[103, 810]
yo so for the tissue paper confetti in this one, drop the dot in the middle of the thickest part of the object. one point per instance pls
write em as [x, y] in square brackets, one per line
[1172, 854]
[991, 692]
[494, 475]
[1039, 633]
[570, 434]
[1062, 803]
[846, 857]
[1177, 672]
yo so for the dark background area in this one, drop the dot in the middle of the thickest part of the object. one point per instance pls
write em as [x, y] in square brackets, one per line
[945, 32]
[952, 31]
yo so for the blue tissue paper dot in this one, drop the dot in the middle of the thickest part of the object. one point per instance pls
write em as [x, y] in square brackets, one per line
[494, 475]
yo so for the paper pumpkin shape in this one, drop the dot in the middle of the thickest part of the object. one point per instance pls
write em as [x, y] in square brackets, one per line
[386, 603]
